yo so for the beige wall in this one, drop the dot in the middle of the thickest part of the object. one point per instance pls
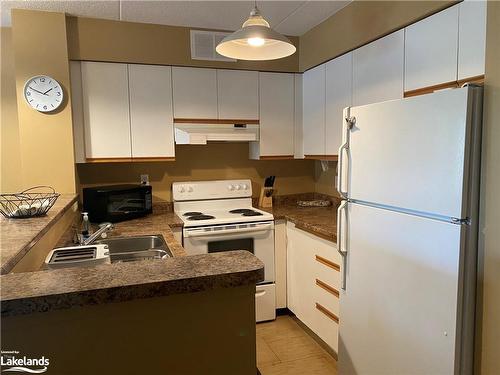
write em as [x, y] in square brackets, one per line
[213, 161]
[119, 41]
[46, 140]
[490, 202]
[11, 178]
[359, 23]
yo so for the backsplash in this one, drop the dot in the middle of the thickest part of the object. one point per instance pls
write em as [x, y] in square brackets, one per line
[215, 161]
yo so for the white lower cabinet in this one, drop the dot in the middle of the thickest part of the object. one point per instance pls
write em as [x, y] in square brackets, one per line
[313, 282]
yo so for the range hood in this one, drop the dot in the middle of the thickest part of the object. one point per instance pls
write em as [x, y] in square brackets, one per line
[200, 134]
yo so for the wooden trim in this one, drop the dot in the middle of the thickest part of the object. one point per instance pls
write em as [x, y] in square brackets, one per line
[210, 121]
[129, 160]
[322, 157]
[154, 158]
[327, 312]
[277, 157]
[328, 263]
[479, 80]
[430, 89]
[108, 160]
[328, 288]
[453, 84]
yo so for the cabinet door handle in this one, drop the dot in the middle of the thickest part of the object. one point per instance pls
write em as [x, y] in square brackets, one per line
[328, 288]
[327, 263]
[327, 312]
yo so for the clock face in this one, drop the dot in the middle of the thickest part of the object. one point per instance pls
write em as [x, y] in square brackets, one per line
[43, 93]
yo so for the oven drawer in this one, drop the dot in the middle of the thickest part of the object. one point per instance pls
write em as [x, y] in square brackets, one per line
[265, 302]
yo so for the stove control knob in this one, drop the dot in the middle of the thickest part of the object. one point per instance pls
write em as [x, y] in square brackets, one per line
[244, 187]
[237, 187]
[181, 189]
[190, 189]
[230, 187]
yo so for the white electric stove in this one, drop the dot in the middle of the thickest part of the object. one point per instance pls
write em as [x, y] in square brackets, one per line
[219, 216]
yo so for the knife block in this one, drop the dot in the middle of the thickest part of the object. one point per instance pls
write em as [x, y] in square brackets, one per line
[266, 197]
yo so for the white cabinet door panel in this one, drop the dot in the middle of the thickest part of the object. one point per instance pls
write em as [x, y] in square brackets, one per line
[194, 93]
[238, 94]
[151, 116]
[106, 110]
[338, 96]
[314, 110]
[471, 38]
[276, 114]
[378, 70]
[431, 48]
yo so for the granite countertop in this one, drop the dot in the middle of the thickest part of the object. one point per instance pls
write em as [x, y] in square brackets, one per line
[320, 221]
[30, 292]
[17, 236]
[45, 290]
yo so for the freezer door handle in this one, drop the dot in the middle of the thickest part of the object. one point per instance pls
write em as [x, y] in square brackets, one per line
[343, 253]
[348, 124]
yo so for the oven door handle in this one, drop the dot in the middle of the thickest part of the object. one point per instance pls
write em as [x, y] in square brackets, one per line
[199, 233]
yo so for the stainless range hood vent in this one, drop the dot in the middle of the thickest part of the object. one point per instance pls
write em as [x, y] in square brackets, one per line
[200, 134]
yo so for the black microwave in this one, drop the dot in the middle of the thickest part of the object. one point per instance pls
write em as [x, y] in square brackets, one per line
[115, 203]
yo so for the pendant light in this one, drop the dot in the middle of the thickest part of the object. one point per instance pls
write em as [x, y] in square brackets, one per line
[255, 41]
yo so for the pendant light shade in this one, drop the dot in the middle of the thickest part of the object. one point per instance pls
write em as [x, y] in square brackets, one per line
[255, 41]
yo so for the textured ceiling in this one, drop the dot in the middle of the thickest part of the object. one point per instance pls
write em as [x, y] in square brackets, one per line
[287, 17]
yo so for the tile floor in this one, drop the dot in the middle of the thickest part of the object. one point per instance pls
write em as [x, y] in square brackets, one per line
[284, 348]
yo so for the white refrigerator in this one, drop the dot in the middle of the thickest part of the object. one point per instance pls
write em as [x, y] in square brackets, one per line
[407, 233]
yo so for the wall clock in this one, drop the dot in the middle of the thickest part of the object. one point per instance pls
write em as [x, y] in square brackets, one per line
[43, 93]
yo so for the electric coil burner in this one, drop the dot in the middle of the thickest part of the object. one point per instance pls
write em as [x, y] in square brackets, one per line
[201, 217]
[218, 216]
[192, 213]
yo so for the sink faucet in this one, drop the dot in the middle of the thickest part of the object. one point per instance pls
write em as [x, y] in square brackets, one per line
[103, 228]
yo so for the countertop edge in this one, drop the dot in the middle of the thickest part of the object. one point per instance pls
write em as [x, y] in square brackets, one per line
[247, 274]
[9, 264]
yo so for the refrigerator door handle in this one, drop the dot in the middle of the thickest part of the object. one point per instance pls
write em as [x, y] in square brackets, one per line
[343, 253]
[348, 124]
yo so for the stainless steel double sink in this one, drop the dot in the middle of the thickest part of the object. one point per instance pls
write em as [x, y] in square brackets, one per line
[128, 249]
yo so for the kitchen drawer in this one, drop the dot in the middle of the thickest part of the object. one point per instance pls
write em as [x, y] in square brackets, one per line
[327, 295]
[325, 326]
[319, 246]
[324, 270]
[265, 297]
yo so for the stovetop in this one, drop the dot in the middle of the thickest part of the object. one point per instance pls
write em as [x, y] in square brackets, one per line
[223, 216]
[204, 203]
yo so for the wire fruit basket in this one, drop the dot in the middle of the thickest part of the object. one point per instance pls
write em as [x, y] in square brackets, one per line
[28, 203]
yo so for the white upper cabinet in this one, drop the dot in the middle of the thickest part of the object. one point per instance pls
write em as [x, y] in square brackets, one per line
[338, 96]
[151, 115]
[431, 48]
[378, 70]
[313, 113]
[238, 94]
[276, 116]
[195, 93]
[106, 110]
[471, 38]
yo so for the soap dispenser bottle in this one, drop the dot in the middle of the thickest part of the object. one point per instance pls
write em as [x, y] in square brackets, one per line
[85, 228]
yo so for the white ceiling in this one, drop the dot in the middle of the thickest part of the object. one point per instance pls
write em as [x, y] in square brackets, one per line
[287, 17]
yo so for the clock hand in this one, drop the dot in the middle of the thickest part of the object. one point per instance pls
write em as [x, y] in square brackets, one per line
[36, 90]
[45, 93]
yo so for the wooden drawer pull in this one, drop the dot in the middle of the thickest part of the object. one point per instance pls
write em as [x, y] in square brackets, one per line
[328, 288]
[327, 312]
[328, 263]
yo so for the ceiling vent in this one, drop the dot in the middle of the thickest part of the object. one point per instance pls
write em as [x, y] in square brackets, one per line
[203, 45]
